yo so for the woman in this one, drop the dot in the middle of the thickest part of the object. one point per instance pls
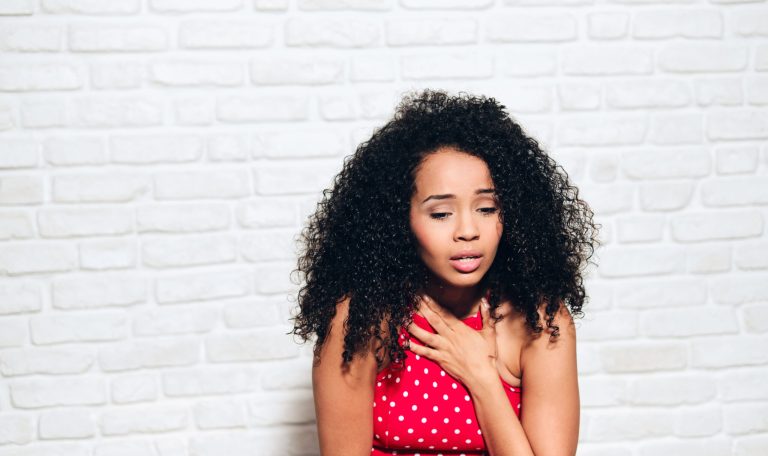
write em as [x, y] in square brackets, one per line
[449, 206]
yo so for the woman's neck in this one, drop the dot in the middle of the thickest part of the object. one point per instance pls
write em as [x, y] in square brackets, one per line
[461, 302]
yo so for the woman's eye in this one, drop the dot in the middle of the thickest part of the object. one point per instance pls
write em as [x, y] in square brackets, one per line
[444, 215]
[439, 215]
[489, 210]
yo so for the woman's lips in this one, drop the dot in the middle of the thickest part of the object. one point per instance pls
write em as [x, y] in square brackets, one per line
[467, 265]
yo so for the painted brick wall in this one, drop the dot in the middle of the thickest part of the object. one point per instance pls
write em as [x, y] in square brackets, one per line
[158, 157]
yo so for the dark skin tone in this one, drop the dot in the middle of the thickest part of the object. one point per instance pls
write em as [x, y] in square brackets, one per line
[546, 370]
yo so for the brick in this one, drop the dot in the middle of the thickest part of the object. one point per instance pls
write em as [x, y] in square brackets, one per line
[31, 38]
[682, 23]
[64, 223]
[736, 159]
[212, 34]
[755, 317]
[91, 7]
[219, 414]
[312, 143]
[714, 446]
[106, 112]
[194, 111]
[521, 63]
[699, 421]
[746, 418]
[463, 65]
[157, 148]
[197, 74]
[17, 429]
[702, 58]
[182, 218]
[750, 22]
[750, 445]
[98, 290]
[292, 180]
[223, 184]
[610, 325]
[17, 7]
[741, 124]
[20, 296]
[94, 327]
[334, 33]
[728, 351]
[16, 225]
[193, 6]
[688, 321]
[210, 379]
[672, 390]
[227, 148]
[235, 109]
[116, 38]
[187, 251]
[266, 213]
[19, 153]
[638, 261]
[599, 60]
[444, 4]
[602, 131]
[643, 357]
[273, 278]
[101, 187]
[44, 114]
[676, 129]
[267, 246]
[719, 92]
[260, 344]
[354, 5]
[248, 314]
[525, 27]
[105, 254]
[647, 94]
[607, 25]
[158, 322]
[152, 353]
[21, 189]
[601, 392]
[73, 151]
[69, 423]
[13, 331]
[296, 71]
[756, 89]
[666, 164]
[37, 77]
[201, 286]
[635, 229]
[36, 257]
[703, 226]
[631, 425]
[278, 408]
[419, 32]
[579, 97]
[45, 361]
[743, 384]
[738, 289]
[117, 75]
[123, 447]
[140, 419]
[736, 191]
[59, 391]
[708, 258]
[133, 388]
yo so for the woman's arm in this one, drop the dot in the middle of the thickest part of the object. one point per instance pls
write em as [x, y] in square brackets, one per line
[549, 423]
[343, 397]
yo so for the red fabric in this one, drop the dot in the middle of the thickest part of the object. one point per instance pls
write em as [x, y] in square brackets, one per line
[423, 410]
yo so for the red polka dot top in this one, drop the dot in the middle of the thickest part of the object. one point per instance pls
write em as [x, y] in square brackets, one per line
[423, 410]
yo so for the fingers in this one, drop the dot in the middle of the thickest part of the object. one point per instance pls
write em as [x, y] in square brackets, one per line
[436, 316]
[423, 350]
[423, 335]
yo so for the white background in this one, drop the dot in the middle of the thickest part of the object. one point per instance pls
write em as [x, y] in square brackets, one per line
[158, 157]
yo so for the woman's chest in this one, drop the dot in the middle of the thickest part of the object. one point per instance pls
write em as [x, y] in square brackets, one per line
[422, 407]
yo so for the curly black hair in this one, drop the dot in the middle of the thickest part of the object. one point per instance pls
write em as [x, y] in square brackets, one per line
[358, 243]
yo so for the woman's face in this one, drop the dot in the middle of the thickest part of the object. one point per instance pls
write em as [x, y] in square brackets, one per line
[454, 213]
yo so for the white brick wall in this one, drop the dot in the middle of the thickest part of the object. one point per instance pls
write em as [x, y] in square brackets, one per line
[157, 158]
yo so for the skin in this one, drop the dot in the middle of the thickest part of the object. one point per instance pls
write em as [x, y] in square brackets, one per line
[546, 370]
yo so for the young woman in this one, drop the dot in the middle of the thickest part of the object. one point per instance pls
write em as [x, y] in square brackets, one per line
[443, 272]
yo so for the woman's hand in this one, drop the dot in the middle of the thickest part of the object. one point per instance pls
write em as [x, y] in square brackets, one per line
[467, 354]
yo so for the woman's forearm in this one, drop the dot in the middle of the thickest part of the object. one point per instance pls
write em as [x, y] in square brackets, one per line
[501, 428]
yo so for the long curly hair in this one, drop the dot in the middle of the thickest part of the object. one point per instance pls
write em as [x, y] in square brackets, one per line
[358, 243]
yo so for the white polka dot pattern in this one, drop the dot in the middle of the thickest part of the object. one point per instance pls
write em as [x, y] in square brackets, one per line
[428, 411]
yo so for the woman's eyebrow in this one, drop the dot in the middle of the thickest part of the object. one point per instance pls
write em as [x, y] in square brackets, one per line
[451, 195]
